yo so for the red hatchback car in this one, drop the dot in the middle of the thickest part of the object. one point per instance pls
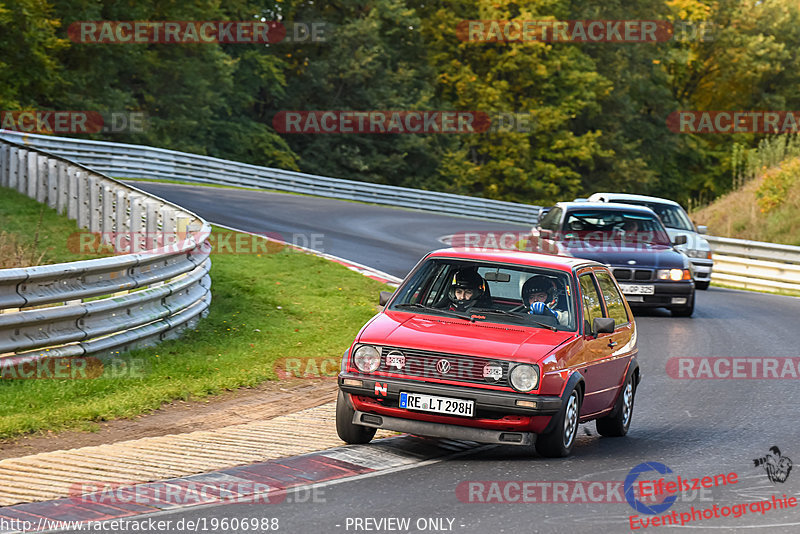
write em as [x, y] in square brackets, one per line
[495, 347]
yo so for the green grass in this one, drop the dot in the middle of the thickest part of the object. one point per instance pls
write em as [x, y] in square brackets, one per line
[264, 308]
[34, 234]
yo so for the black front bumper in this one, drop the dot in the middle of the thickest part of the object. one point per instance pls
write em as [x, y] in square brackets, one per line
[663, 294]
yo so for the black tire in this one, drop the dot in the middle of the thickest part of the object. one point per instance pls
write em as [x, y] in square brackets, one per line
[559, 442]
[702, 285]
[684, 311]
[348, 432]
[617, 424]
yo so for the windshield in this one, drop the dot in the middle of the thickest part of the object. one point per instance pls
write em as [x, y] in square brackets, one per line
[476, 291]
[672, 216]
[607, 225]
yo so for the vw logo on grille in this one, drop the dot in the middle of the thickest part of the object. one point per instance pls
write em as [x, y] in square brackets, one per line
[443, 366]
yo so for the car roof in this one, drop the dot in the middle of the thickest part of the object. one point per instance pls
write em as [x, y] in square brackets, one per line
[606, 206]
[534, 259]
[628, 196]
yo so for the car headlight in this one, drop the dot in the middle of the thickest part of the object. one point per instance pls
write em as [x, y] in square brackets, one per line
[676, 275]
[524, 377]
[697, 253]
[367, 358]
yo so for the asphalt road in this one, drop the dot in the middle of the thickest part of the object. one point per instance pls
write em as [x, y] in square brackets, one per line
[696, 427]
[387, 239]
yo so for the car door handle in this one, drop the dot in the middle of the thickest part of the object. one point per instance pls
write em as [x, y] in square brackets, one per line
[612, 344]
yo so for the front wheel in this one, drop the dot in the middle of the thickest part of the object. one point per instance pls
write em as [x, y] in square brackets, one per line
[349, 432]
[617, 425]
[561, 439]
[701, 285]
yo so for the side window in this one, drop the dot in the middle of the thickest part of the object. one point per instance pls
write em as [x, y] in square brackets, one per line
[591, 302]
[614, 304]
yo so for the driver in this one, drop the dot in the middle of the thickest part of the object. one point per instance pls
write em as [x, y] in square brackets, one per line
[466, 290]
[539, 296]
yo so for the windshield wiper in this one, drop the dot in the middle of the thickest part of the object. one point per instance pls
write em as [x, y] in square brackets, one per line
[525, 317]
[419, 306]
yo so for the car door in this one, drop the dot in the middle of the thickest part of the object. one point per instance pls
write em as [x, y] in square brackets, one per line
[604, 365]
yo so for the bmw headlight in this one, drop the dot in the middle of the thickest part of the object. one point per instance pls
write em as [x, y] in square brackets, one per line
[676, 275]
[367, 358]
[524, 377]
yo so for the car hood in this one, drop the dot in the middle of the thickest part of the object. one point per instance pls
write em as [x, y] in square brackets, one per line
[457, 336]
[642, 255]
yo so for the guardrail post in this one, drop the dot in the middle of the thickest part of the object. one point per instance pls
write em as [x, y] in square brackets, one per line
[33, 174]
[107, 216]
[13, 164]
[22, 170]
[72, 192]
[95, 192]
[52, 183]
[42, 179]
[83, 199]
[154, 237]
[62, 187]
[137, 223]
[4, 149]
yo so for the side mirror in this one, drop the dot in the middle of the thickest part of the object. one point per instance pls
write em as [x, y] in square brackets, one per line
[603, 325]
[679, 240]
[384, 297]
[702, 229]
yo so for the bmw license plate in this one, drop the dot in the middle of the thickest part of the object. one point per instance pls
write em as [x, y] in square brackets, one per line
[637, 289]
[431, 403]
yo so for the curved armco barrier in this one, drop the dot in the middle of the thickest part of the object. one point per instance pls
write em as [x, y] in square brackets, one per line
[101, 306]
[137, 161]
[739, 263]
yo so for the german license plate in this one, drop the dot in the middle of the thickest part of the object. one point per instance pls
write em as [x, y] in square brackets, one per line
[431, 403]
[637, 289]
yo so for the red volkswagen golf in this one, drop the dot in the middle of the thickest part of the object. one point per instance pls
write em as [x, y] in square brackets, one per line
[496, 347]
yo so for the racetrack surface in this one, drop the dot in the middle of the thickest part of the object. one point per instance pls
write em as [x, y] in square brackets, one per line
[696, 427]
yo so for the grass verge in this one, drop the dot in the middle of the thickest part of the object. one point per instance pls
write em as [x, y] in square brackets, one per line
[34, 234]
[265, 307]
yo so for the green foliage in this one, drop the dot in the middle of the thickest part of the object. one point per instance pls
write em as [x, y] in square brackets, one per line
[599, 109]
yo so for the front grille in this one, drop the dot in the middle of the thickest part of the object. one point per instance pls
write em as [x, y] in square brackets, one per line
[623, 274]
[630, 274]
[423, 363]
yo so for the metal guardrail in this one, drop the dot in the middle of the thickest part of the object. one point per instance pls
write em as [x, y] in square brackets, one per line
[136, 161]
[107, 305]
[746, 264]
[755, 264]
